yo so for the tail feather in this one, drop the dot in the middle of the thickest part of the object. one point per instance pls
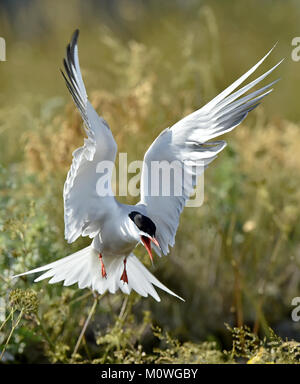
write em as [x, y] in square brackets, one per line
[84, 268]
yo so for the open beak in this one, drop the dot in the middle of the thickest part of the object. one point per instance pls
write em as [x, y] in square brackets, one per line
[147, 244]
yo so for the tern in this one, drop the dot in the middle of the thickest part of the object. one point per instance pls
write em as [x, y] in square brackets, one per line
[108, 263]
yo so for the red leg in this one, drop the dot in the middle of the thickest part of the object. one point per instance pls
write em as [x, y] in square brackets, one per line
[103, 271]
[124, 276]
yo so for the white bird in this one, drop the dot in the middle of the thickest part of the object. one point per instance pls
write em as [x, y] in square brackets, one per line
[116, 229]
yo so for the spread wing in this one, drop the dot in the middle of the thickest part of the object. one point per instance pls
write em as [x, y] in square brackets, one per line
[86, 201]
[186, 146]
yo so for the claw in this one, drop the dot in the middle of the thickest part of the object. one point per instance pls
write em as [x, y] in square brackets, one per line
[103, 271]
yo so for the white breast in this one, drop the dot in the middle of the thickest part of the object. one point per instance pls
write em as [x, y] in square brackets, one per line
[117, 237]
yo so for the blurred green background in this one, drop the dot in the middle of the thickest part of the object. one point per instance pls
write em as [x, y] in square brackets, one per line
[146, 64]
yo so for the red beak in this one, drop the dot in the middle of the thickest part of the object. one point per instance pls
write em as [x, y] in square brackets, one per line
[147, 243]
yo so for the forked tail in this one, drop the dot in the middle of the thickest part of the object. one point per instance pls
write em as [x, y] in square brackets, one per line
[84, 268]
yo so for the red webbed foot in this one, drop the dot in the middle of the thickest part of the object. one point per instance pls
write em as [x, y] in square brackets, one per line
[103, 271]
[124, 276]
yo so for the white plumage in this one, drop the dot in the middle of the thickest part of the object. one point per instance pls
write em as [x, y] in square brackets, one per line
[83, 268]
[116, 229]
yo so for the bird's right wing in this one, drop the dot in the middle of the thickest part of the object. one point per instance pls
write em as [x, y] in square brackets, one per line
[87, 194]
[187, 148]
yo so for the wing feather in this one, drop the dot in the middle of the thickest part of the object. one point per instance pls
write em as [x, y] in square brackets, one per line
[187, 143]
[84, 208]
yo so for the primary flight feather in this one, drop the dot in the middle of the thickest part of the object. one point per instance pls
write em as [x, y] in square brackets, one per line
[116, 229]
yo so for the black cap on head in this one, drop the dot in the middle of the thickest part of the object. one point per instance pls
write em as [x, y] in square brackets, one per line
[143, 223]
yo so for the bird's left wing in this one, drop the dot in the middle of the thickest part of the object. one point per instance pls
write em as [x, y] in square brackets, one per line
[186, 148]
[86, 200]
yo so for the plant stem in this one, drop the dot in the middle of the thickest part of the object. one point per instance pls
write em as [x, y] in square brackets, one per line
[96, 299]
[123, 307]
[238, 297]
[7, 318]
[81, 297]
[45, 333]
[11, 333]
[86, 348]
